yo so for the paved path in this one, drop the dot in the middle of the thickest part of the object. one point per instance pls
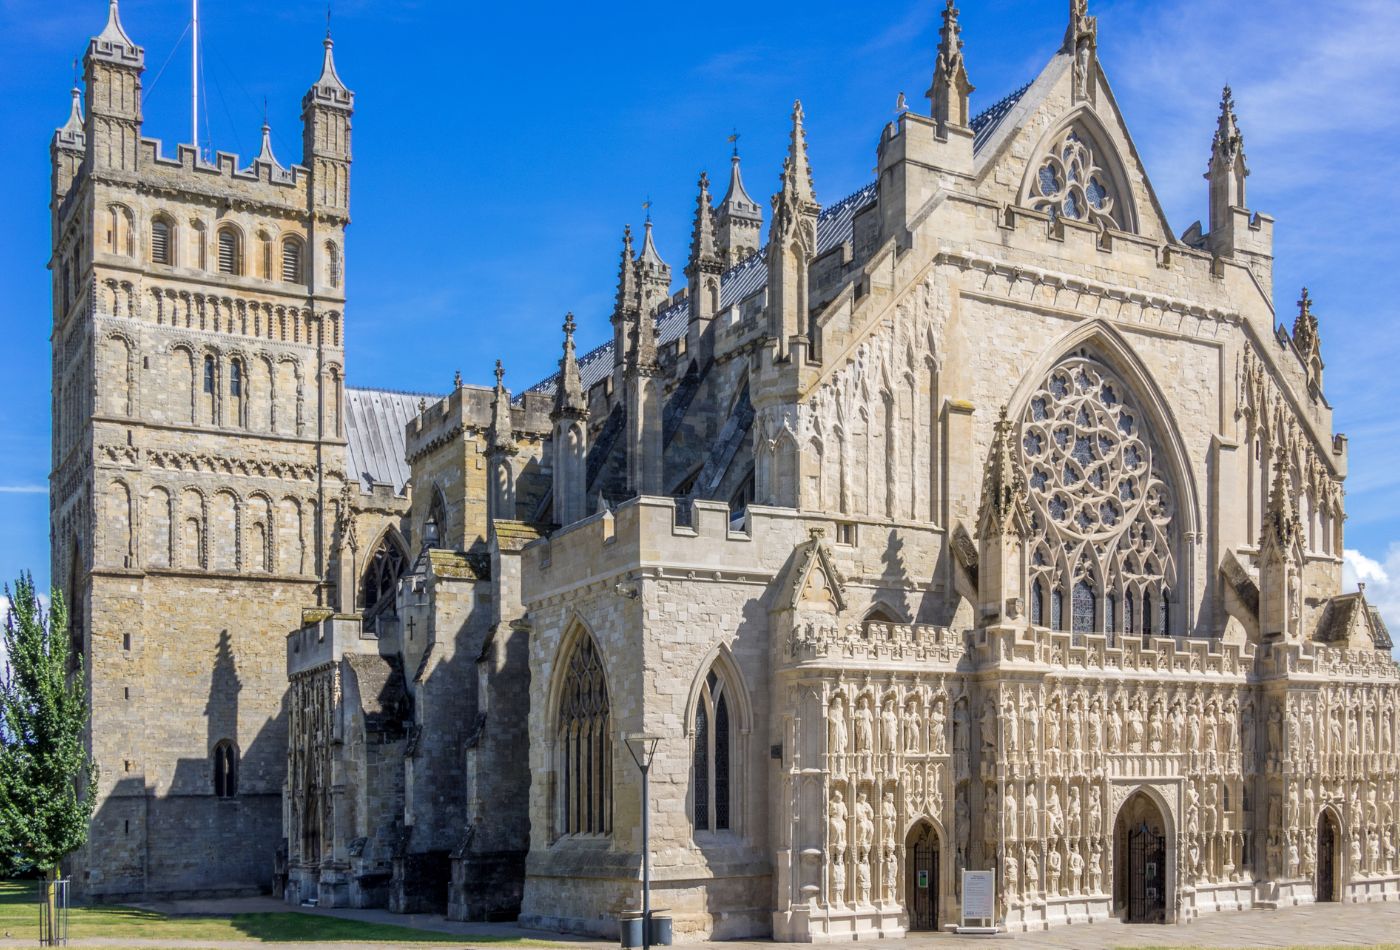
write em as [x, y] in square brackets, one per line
[1329, 925]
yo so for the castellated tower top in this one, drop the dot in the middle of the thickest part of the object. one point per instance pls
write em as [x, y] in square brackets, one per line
[113, 45]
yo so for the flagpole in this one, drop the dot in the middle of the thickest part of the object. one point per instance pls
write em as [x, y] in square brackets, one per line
[194, 75]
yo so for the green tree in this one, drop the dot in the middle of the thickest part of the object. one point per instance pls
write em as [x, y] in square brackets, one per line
[47, 778]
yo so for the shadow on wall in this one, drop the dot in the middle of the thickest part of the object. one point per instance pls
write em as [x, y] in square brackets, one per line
[215, 828]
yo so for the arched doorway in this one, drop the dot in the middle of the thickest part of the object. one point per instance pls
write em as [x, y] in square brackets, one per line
[921, 854]
[1327, 838]
[1140, 856]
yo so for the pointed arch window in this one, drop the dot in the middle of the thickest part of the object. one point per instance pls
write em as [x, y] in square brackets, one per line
[1072, 181]
[713, 757]
[435, 528]
[583, 744]
[379, 589]
[1100, 502]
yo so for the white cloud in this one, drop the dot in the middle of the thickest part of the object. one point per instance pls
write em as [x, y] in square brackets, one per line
[1382, 580]
[24, 490]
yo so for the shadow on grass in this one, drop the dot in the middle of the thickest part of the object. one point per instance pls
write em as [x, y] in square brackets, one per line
[19, 917]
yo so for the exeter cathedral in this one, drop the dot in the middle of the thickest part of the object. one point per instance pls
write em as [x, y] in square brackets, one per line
[976, 520]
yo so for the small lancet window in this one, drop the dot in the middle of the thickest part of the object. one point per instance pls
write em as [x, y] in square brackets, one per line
[230, 253]
[209, 375]
[225, 770]
[291, 261]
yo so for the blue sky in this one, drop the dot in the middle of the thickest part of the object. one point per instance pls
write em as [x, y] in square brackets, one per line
[499, 149]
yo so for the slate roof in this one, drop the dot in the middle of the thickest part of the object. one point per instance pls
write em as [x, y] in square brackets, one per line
[375, 443]
[748, 277]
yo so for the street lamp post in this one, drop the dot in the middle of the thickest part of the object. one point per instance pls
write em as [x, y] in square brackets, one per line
[643, 749]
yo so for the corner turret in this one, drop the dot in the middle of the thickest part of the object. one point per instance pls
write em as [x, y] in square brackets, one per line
[1232, 228]
[67, 148]
[739, 219]
[653, 274]
[112, 69]
[703, 272]
[325, 115]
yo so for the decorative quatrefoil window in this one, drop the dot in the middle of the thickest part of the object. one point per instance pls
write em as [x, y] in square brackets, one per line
[1102, 513]
[1069, 183]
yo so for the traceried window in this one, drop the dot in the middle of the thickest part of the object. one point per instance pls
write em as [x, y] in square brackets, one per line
[712, 757]
[1070, 184]
[583, 743]
[378, 592]
[1103, 530]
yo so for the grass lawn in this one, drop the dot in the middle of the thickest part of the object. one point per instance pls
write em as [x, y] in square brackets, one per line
[19, 915]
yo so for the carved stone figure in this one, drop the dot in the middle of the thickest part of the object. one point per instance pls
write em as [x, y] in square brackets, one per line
[889, 728]
[1032, 875]
[1075, 813]
[1076, 871]
[836, 826]
[1011, 878]
[865, 826]
[1095, 812]
[836, 723]
[838, 881]
[1054, 815]
[863, 880]
[890, 875]
[938, 727]
[913, 739]
[1032, 814]
[1053, 865]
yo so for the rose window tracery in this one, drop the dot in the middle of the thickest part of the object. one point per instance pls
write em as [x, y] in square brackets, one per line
[1102, 512]
[1070, 184]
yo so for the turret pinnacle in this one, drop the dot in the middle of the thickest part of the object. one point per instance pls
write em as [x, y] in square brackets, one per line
[568, 394]
[328, 88]
[70, 135]
[1227, 171]
[1228, 145]
[113, 44]
[1004, 492]
[792, 243]
[502, 436]
[949, 92]
[265, 155]
[653, 274]
[739, 218]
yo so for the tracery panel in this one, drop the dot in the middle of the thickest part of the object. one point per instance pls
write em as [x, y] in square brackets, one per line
[1103, 529]
[584, 743]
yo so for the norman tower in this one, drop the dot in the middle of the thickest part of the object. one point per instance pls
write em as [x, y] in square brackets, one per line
[198, 460]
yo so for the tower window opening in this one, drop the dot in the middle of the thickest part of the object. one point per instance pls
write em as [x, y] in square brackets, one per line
[160, 242]
[230, 260]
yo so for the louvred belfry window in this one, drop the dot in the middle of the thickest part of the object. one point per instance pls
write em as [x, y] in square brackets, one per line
[230, 261]
[160, 242]
[1103, 527]
[583, 743]
[291, 261]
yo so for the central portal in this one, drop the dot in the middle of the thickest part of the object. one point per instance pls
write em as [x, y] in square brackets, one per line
[921, 852]
[1326, 858]
[1140, 862]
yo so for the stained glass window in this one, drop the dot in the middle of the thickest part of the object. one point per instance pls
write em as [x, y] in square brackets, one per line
[1102, 511]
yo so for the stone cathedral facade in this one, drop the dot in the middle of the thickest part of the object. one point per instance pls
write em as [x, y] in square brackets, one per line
[974, 521]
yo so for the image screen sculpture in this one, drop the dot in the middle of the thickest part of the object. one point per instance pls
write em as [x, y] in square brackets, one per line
[1102, 539]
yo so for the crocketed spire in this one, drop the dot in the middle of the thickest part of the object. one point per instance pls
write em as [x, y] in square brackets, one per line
[948, 95]
[502, 435]
[1227, 148]
[702, 235]
[626, 276]
[797, 193]
[568, 395]
[1282, 527]
[1004, 492]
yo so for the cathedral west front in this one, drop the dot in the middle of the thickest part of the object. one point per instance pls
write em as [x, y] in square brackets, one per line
[976, 520]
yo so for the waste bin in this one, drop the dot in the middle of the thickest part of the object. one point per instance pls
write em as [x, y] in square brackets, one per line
[629, 927]
[661, 928]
